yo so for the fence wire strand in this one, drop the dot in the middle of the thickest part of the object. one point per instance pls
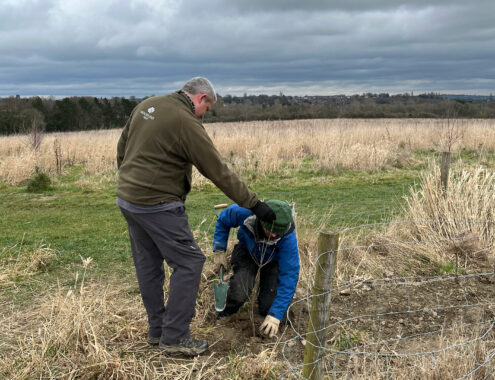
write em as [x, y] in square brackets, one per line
[433, 344]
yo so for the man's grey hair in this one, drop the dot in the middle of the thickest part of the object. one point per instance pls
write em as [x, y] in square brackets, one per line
[200, 85]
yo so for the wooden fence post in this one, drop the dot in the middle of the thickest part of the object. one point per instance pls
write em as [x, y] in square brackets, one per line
[328, 244]
[444, 171]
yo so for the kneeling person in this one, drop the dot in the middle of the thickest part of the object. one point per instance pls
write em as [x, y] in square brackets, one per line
[269, 247]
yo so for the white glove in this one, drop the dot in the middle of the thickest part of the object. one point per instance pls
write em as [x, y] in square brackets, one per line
[219, 259]
[269, 327]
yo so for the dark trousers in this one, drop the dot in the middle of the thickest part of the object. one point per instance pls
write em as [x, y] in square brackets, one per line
[241, 284]
[166, 236]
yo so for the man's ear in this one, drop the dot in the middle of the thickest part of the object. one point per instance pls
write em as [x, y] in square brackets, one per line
[201, 97]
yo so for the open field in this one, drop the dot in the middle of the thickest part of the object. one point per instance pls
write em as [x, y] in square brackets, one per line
[263, 148]
[70, 301]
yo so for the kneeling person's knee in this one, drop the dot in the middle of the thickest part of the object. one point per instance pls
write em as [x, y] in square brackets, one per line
[238, 292]
[264, 304]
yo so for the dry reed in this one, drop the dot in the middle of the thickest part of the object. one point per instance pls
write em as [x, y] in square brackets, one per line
[265, 147]
[452, 229]
[456, 225]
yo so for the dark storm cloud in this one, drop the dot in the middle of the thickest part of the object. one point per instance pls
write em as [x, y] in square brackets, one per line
[141, 47]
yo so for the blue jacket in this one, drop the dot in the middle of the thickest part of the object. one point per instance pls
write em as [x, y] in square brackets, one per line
[284, 250]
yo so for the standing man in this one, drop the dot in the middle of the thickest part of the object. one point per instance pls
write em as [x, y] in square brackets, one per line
[162, 139]
[270, 248]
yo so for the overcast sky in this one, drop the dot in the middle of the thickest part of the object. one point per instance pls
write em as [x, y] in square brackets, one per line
[298, 47]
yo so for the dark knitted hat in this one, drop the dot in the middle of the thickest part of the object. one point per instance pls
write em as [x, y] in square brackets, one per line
[283, 211]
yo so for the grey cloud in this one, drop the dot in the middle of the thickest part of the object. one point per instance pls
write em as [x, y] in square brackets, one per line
[102, 46]
[359, 6]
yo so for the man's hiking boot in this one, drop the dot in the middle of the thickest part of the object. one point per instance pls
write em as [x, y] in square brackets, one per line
[189, 346]
[153, 340]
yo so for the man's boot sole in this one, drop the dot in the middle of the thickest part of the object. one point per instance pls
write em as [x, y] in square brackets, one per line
[153, 341]
[177, 350]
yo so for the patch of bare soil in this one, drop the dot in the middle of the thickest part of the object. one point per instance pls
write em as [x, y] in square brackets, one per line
[238, 333]
[403, 316]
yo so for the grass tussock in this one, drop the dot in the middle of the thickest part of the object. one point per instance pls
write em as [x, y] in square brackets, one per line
[452, 226]
[38, 182]
[88, 331]
[19, 262]
[308, 229]
[77, 337]
[439, 232]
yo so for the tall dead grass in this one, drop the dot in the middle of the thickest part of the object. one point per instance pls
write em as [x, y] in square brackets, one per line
[437, 232]
[456, 225]
[80, 333]
[95, 150]
[18, 262]
[265, 147]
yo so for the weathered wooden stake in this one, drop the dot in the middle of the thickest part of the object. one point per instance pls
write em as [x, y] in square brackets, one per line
[328, 244]
[444, 171]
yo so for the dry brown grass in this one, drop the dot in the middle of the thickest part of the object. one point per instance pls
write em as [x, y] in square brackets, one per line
[464, 212]
[80, 333]
[455, 226]
[95, 150]
[92, 331]
[452, 230]
[265, 147]
[18, 262]
[450, 354]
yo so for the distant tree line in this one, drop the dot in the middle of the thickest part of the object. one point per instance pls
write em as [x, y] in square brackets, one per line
[22, 115]
[282, 107]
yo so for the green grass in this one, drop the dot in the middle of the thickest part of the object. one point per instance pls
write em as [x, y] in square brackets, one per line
[450, 268]
[468, 157]
[80, 222]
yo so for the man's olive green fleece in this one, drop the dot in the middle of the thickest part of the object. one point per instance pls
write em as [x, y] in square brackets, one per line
[158, 146]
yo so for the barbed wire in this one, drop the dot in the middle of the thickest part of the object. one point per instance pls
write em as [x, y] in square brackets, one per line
[384, 356]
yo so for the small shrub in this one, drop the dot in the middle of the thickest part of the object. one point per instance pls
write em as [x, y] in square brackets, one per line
[39, 181]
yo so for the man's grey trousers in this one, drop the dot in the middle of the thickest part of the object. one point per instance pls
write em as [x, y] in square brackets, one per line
[159, 236]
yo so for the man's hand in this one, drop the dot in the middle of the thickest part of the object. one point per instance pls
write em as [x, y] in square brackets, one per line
[270, 326]
[264, 212]
[219, 259]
